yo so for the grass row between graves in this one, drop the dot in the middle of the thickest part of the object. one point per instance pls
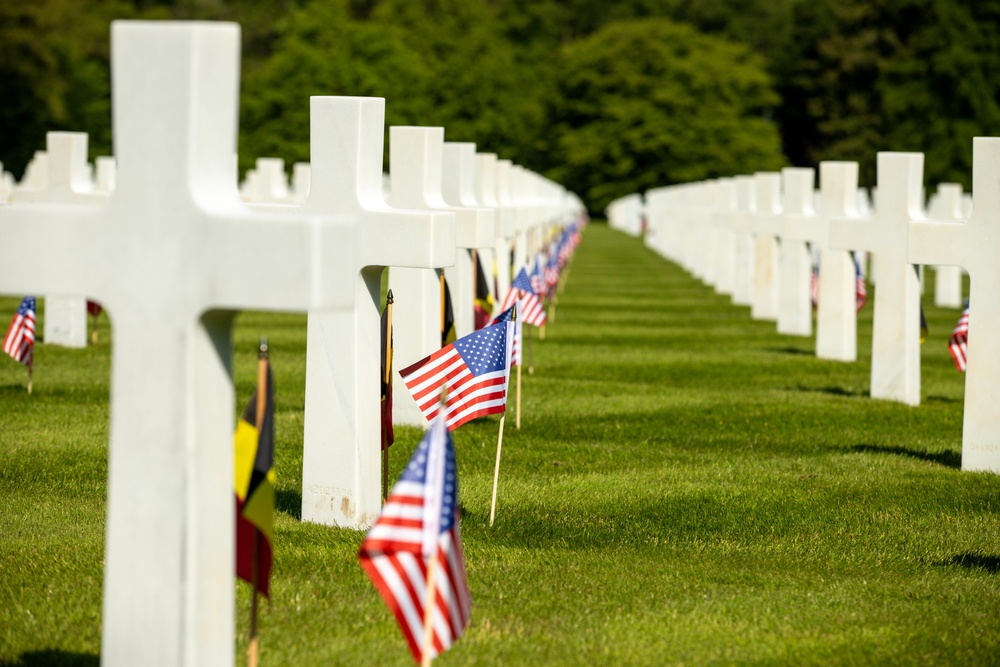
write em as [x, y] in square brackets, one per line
[687, 487]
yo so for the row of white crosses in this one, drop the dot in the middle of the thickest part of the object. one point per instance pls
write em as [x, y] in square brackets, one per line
[757, 249]
[174, 253]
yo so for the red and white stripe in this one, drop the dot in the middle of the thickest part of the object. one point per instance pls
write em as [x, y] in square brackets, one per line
[19, 342]
[958, 344]
[532, 310]
[392, 557]
[469, 397]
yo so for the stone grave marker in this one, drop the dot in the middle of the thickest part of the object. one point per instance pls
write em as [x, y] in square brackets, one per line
[459, 179]
[173, 255]
[895, 372]
[341, 480]
[66, 181]
[973, 246]
[743, 252]
[947, 206]
[798, 224]
[416, 163]
[766, 225]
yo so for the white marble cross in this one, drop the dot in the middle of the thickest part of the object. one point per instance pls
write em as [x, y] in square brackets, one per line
[503, 224]
[836, 313]
[459, 179]
[507, 214]
[766, 225]
[947, 206]
[798, 224]
[895, 371]
[341, 481]
[172, 255]
[416, 164]
[973, 246]
[66, 181]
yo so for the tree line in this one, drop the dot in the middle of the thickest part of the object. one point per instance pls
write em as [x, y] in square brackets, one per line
[607, 98]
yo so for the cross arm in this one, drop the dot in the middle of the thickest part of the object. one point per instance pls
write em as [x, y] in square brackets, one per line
[852, 234]
[802, 228]
[73, 245]
[944, 243]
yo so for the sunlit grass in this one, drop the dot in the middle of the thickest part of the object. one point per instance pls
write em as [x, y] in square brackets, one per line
[687, 487]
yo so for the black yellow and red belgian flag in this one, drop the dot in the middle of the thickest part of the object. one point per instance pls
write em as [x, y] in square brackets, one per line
[385, 380]
[254, 485]
[484, 299]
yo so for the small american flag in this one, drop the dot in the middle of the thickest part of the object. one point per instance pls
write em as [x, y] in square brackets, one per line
[508, 316]
[538, 277]
[958, 344]
[860, 291]
[19, 342]
[419, 521]
[552, 272]
[474, 369]
[532, 311]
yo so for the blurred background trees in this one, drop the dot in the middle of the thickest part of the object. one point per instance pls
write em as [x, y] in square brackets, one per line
[606, 97]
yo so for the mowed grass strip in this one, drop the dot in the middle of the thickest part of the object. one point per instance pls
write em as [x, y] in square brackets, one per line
[687, 487]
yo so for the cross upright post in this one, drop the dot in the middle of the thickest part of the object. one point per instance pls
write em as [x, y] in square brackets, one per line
[507, 207]
[895, 371]
[798, 226]
[766, 225]
[172, 256]
[973, 246]
[459, 180]
[743, 247]
[836, 314]
[341, 478]
[486, 188]
[723, 247]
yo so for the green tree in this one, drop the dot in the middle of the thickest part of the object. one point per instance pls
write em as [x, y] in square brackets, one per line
[650, 102]
[904, 75]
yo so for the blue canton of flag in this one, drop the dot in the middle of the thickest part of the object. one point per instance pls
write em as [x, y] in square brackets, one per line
[522, 282]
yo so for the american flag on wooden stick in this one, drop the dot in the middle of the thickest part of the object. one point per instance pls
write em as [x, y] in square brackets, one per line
[417, 534]
[475, 371]
[958, 344]
[19, 342]
[532, 311]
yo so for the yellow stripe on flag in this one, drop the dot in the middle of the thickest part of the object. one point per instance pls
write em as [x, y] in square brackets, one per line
[245, 446]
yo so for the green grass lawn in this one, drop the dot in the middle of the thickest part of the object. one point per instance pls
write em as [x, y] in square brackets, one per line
[687, 487]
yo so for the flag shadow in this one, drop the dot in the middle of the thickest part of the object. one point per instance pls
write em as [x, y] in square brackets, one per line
[972, 561]
[288, 501]
[948, 459]
[834, 391]
[53, 657]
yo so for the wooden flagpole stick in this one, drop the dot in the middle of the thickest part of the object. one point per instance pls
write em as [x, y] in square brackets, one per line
[475, 277]
[429, 604]
[93, 335]
[31, 370]
[253, 650]
[443, 307]
[517, 418]
[388, 381]
[496, 471]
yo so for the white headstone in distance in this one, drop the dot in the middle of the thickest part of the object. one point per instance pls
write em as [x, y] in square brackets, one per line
[476, 232]
[497, 273]
[416, 164]
[766, 225]
[743, 254]
[105, 174]
[172, 255]
[36, 173]
[508, 223]
[301, 180]
[722, 240]
[459, 180]
[973, 246]
[67, 182]
[948, 207]
[895, 372]
[341, 462]
[798, 225]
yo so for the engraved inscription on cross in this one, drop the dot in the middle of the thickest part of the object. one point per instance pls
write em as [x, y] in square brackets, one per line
[895, 372]
[341, 478]
[973, 246]
[172, 255]
[798, 222]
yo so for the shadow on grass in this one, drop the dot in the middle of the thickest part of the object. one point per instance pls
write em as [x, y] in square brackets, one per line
[53, 657]
[289, 502]
[944, 399]
[990, 564]
[949, 459]
[792, 350]
[834, 391]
